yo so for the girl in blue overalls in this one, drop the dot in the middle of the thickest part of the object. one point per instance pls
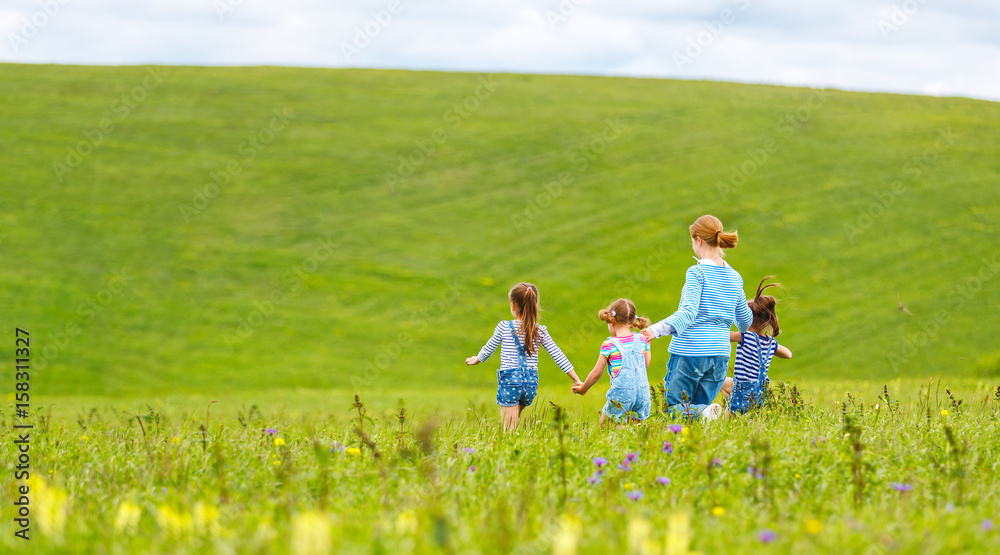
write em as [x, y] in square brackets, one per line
[748, 386]
[517, 378]
[626, 356]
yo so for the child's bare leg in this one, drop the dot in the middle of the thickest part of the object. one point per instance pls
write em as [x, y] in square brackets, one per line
[511, 417]
[727, 387]
[604, 418]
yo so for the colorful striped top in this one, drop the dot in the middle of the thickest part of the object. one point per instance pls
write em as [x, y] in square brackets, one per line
[508, 351]
[712, 299]
[747, 366]
[609, 350]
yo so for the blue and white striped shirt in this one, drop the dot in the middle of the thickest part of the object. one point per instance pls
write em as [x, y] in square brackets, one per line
[711, 300]
[747, 366]
[508, 352]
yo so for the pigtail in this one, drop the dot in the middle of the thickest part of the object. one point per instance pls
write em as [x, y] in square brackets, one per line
[765, 315]
[641, 323]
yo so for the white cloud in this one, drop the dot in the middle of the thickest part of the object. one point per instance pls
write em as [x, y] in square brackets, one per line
[940, 47]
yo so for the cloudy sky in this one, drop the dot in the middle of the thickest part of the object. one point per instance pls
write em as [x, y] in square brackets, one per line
[937, 47]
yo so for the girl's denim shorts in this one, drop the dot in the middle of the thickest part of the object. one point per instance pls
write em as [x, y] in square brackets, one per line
[516, 386]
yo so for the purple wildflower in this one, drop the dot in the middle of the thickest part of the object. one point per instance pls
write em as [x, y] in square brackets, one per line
[271, 431]
[716, 461]
[337, 447]
[901, 487]
[600, 461]
[668, 448]
[987, 525]
[472, 468]
[469, 450]
[626, 465]
[595, 478]
[663, 480]
[630, 457]
[758, 473]
[767, 536]
[635, 495]
[676, 428]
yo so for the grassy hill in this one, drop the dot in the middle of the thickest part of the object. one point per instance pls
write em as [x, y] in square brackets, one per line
[207, 229]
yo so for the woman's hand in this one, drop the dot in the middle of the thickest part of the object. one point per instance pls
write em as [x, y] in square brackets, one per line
[472, 361]
[578, 388]
[648, 334]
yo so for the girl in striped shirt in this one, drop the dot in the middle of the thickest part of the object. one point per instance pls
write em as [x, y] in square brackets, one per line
[712, 299]
[519, 339]
[756, 348]
[626, 356]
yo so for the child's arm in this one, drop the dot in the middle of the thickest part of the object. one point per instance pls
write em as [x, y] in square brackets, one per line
[595, 374]
[735, 337]
[488, 349]
[783, 352]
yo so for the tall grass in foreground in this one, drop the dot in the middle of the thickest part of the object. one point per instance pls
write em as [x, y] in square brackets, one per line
[861, 476]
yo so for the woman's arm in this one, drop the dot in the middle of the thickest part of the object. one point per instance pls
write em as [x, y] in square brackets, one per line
[687, 311]
[783, 352]
[489, 348]
[735, 337]
[744, 317]
[595, 374]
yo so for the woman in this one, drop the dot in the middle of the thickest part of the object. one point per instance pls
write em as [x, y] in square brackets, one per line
[711, 300]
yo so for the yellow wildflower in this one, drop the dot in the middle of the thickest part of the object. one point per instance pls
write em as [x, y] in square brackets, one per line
[127, 519]
[568, 536]
[279, 441]
[206, 518]
[84, 437]
[407, 523]
[172, 522]
[175, 440]
[49, 506]
[353, 451]
[311, 534]
[718, 511]
[685, 430]
[678, 534]
[814, 526]
[944, 412]
[797, 475]
[639, 540]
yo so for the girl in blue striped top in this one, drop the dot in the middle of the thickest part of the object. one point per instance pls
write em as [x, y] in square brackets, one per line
[756, 348]
[712, 299]
[519, 339]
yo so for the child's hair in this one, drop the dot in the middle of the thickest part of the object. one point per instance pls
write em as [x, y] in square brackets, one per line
[762, 306]
[623, 311]
[524, 297]
[709, 228]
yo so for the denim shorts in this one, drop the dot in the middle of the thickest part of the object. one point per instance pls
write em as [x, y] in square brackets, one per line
[746, 395]
[634, 401]
[516, 386]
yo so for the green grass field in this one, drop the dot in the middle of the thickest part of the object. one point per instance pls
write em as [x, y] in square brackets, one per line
[109, 169]
[203, 254]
